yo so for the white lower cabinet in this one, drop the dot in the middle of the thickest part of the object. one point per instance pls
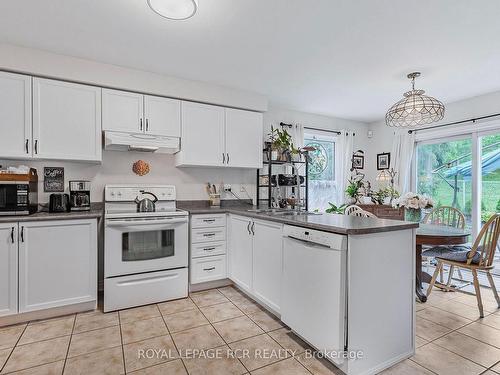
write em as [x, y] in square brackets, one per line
[207, 249]
[256, 258]
[209, 268]
[8, 269]
[240, 251]
[57, 263]
[267, 262]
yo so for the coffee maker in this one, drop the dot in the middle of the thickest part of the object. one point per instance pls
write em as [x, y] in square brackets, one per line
[79, 195]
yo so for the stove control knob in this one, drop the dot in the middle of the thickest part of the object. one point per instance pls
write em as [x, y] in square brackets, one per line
[112, 193]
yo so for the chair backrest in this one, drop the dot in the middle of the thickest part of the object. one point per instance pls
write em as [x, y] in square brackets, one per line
[486, 242]
[352, 208]
[358, 211]
[445, 215]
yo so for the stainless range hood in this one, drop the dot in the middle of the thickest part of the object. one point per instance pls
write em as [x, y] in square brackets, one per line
[119, 141]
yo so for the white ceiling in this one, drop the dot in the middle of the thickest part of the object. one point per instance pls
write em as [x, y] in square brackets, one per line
[341, 58]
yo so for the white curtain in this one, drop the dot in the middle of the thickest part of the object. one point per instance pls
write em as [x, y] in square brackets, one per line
[297, 133]
[403, 147]
[343, 155]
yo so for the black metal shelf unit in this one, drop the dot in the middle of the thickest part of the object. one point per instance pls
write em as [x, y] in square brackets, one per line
[266, 199]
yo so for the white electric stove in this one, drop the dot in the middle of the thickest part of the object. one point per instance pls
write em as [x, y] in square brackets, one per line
[145, 253]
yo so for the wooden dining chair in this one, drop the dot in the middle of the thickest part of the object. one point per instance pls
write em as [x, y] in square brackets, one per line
[478, 258]
[450, 217]
[352, 208]
[445, 215]
[358, 211]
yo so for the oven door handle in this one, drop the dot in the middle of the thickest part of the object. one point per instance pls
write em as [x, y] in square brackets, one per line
[143, 222]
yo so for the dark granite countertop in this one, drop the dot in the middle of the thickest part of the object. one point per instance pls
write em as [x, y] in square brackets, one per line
[96, 211]
[333, 223]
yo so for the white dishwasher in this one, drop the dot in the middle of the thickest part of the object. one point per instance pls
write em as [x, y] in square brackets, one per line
[314, 287]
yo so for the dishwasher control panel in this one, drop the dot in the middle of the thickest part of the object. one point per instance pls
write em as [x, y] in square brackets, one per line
[332, 240]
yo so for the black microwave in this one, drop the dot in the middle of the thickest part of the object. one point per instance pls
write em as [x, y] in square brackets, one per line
[18, 197]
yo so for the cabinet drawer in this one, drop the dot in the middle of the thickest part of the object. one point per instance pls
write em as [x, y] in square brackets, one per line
[206, 249]
[208, 235]
[208, 221]
[208, 269]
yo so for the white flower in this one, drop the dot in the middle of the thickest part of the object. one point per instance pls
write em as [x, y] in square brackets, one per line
[413, 201]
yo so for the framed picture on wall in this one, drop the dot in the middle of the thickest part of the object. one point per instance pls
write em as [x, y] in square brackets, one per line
[53, 179]
[383, 161]
[358, 162]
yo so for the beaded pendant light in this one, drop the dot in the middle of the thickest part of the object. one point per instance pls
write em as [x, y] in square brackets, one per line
[415, 108]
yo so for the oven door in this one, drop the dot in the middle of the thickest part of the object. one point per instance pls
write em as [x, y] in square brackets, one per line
[135, 245]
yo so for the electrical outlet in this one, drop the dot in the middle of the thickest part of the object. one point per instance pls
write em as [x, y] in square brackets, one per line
[227, 187]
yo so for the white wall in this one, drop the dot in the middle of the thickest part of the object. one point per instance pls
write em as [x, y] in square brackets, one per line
[462, 110]
[277, 114]
[116, 168]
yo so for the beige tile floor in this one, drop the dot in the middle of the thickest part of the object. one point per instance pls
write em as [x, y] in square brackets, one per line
[450, 340]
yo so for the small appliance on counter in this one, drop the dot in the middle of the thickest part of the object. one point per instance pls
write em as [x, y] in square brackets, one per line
[79, 195]
[59, 202]
[18, 191]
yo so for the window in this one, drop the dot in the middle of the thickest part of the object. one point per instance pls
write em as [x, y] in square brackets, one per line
[321, 169]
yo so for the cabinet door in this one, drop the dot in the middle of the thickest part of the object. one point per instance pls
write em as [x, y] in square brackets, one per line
[243, 138]
[66, 121]
[162, 116]
[57, 263]
[202, 141]
[267, 262]
[240, 252]
[15, 115]
[122, 111]
[8, 269]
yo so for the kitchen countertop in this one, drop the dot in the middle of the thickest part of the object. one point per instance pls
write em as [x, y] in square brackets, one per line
[96, 212]
[333, 223]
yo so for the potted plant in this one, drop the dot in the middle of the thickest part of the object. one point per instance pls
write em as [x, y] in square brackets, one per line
[413, 204]
[352, 192]
[333, 209]
[281, 144]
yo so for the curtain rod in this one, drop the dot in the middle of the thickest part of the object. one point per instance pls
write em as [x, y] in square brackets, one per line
[473, 120]
[282, 124]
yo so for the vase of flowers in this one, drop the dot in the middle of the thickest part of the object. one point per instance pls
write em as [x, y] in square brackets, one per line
[413, 204]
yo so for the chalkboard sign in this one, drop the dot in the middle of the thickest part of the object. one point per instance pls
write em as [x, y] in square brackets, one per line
[53, 179]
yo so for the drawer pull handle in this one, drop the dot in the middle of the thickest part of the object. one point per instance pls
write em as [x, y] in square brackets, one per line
[208, 234]
[209, 249]
[209, 269]
[208, 220]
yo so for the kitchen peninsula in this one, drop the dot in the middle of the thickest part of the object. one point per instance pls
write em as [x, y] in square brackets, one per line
[329, 277]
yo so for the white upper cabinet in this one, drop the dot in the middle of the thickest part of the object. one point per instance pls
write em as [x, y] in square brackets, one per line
[162, 116]
[129, 112]
[122, 111]
[66, 120]
[15, 115]
[243, 138]
[220, 137]
[8, 269]
[202, 142]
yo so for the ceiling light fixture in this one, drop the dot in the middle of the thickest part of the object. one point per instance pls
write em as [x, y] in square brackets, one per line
[415, 108]
[174, 9]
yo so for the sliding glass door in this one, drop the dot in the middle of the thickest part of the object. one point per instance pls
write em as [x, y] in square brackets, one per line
[462, 172]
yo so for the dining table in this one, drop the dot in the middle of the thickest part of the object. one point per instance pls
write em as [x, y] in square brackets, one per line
[434, 235]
